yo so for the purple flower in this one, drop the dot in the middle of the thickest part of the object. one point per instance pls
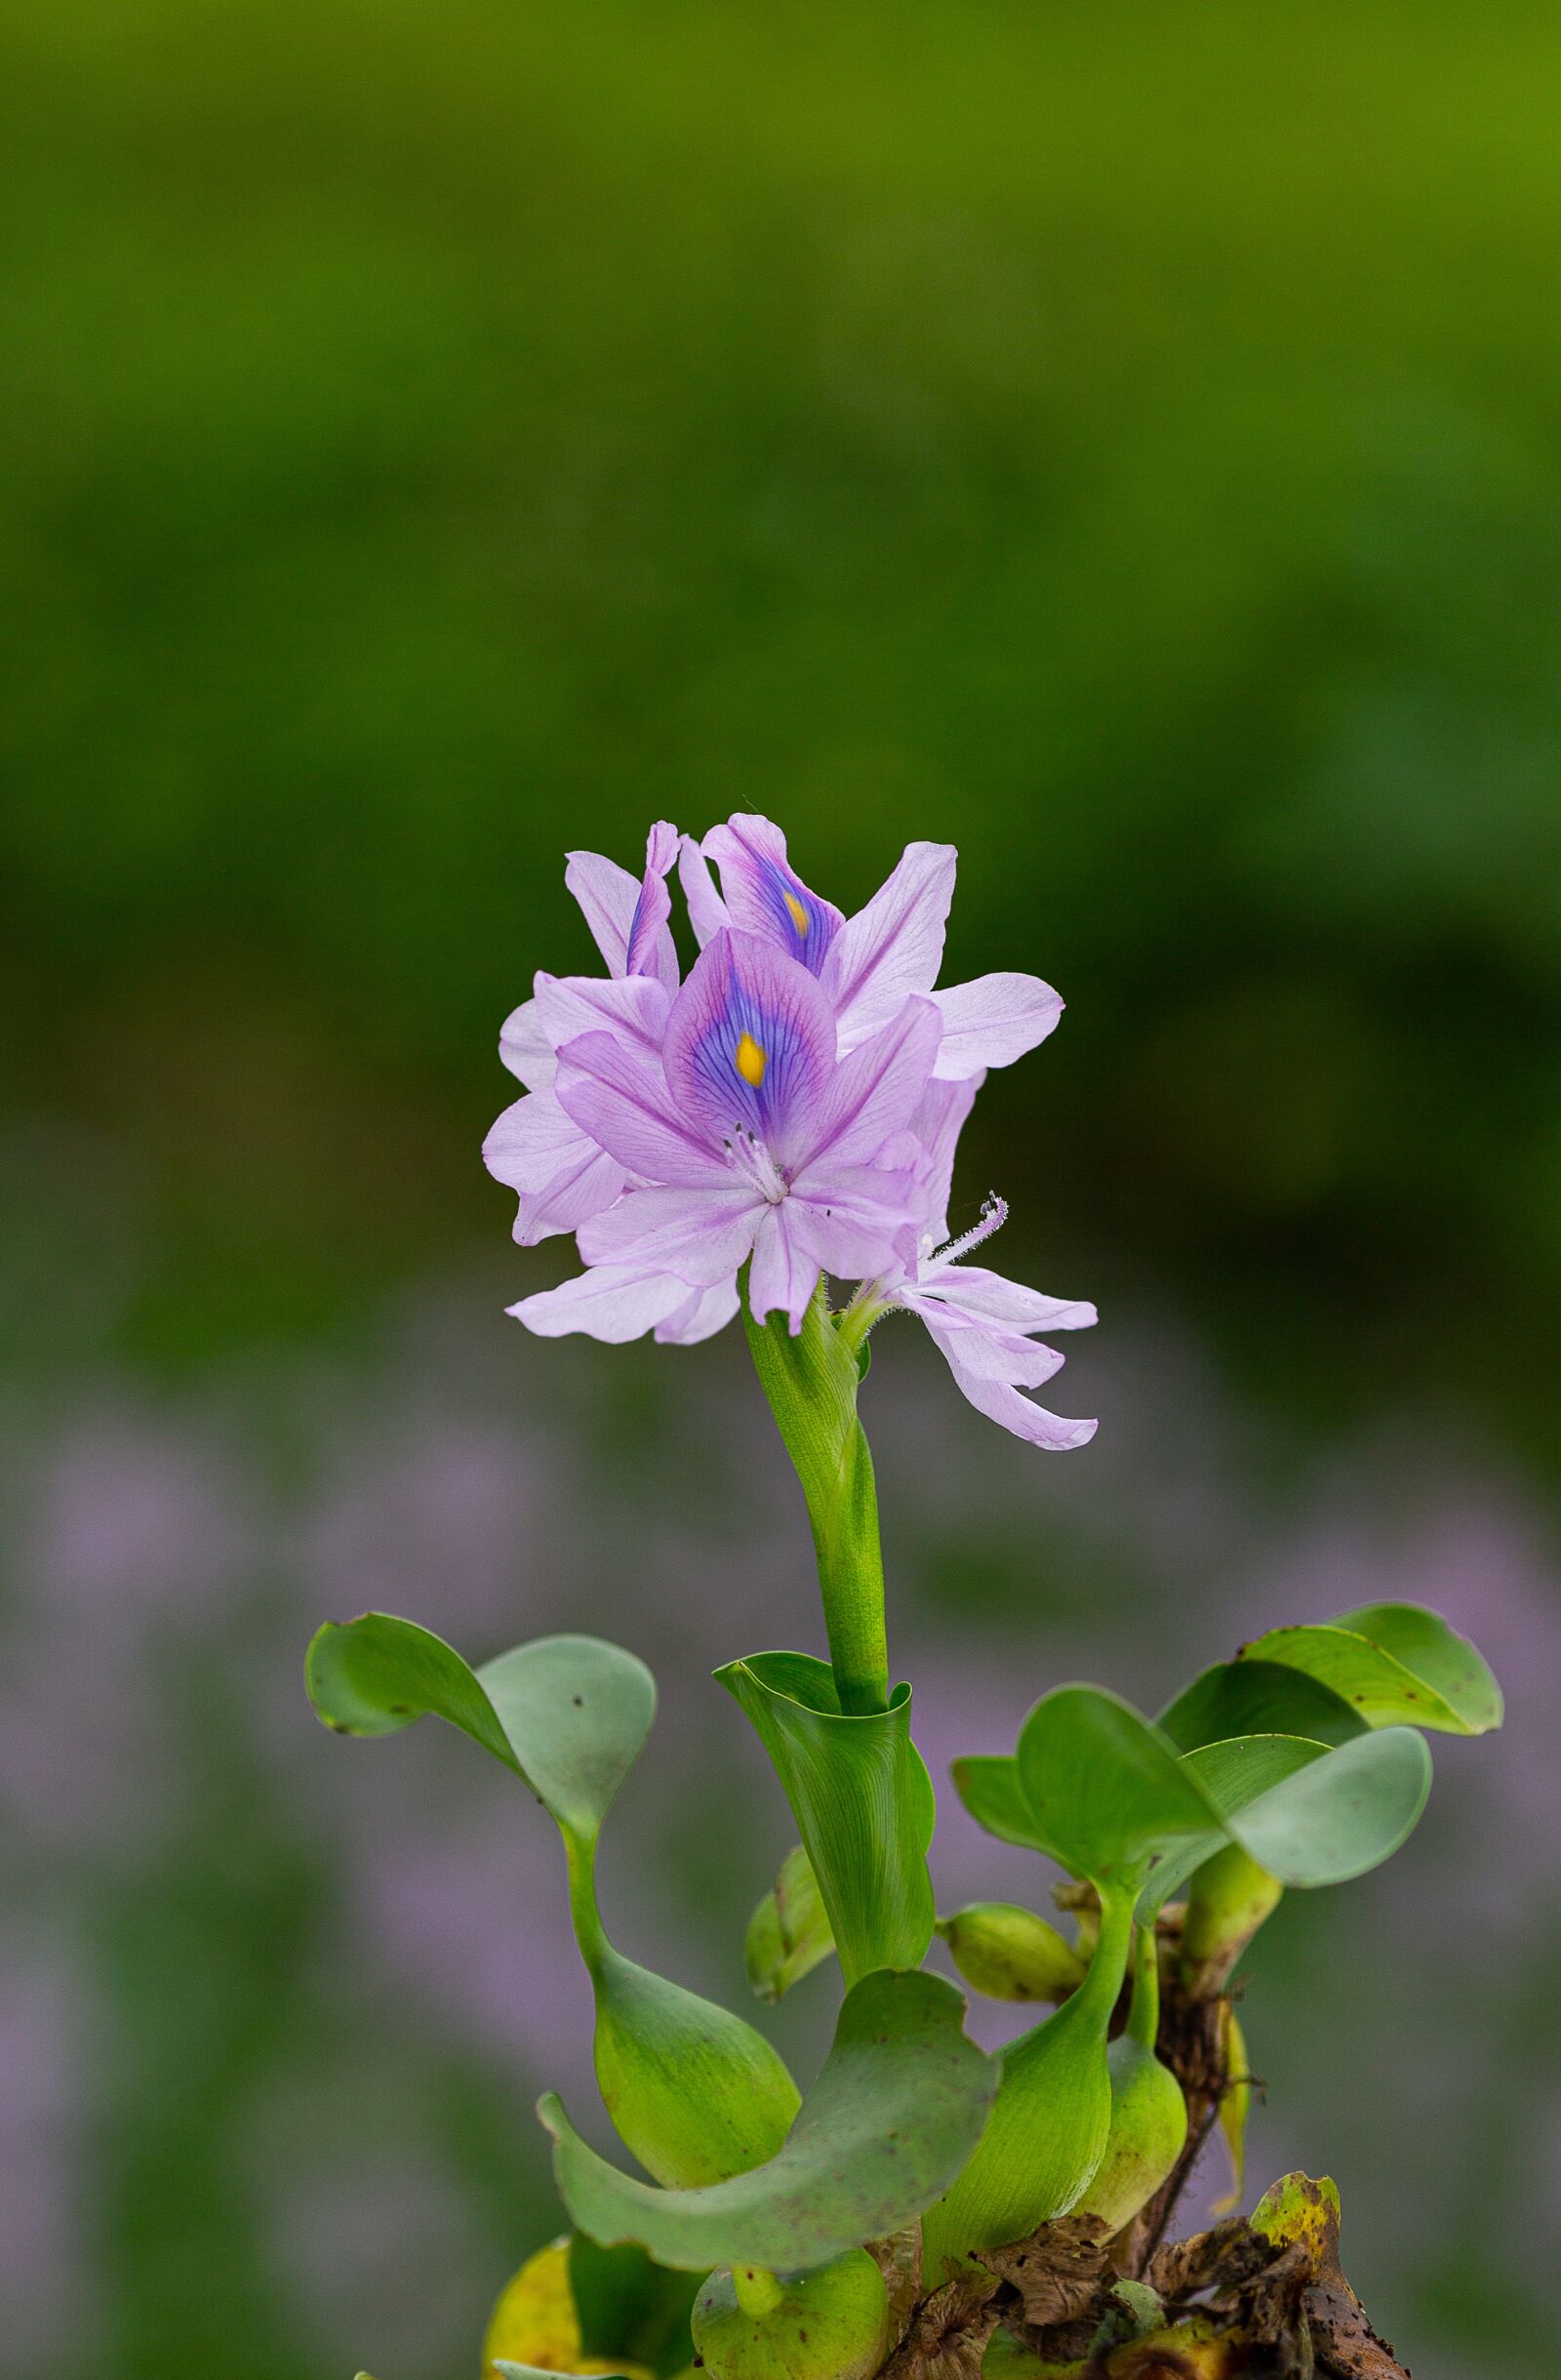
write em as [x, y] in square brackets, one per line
[866, 965]
[794, 1107]
[747, 1137]
[980, 1322]
[562, 1175]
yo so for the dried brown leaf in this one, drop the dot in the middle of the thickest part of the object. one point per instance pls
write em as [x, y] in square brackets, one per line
[948, 2332]
[1057, 2270]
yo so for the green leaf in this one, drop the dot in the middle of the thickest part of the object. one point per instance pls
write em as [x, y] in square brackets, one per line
[1053, 2117]
[1252, 1697]
[1340, 1815]
[1382, 1686]
[788, 1933]
[1426, 1646]
[862, 1800]
[894, 2113]
[1235, 2106]
[1310, 1814]
[630, 2307]
[569, 1715]
[988, 1786]
[694, 2092]
[1236, 1772]
[1105, 1789]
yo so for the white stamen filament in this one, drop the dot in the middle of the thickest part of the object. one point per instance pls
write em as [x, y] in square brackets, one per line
[757, 1163]
[994, 1214]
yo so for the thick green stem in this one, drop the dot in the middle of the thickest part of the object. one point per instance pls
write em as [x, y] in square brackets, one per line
[1230, 1898]
[811, 1381]
[1102, 1985]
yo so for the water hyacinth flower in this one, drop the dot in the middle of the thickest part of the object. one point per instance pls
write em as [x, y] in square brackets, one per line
[792, 1108]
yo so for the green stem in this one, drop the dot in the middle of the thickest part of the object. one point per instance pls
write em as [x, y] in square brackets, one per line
[579, 1853]
[1102, 1984]
[811, 1381]
[1143, 2011]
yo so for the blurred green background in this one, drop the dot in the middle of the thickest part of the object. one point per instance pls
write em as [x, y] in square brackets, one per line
[1124, 440]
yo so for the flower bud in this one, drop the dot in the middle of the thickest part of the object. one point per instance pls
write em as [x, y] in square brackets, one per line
[831, 2323]
[1009, 1953]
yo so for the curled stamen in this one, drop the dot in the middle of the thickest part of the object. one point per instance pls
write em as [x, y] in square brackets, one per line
[994, 1214]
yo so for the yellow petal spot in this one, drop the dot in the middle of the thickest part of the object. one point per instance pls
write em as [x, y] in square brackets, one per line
[799, 915]
[751, 1061]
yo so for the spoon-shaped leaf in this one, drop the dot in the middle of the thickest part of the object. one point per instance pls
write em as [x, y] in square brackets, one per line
[896, 2111]
[1340, 1815]
[569, 1715]
[1386, 1676]
[695, 2092]
[1231, 1774]
[862, 1800]
[987, 1783]
[1252, 1697]
[1106, 1790]
[1424, 1643]
[788, 1933]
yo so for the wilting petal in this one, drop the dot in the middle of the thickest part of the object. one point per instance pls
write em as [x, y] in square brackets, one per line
[707, 914]
[611, 900]
[524, 1048]
[895, 946]
[993, 1020]
[987, 1296]
[938, 1123]
[875, 1092]
[616, 1091]
[999, 1400]
[765, 895]
[785, 1271]
[749, 1046]
[611, 1302]
[701, 1236]
[633, 1006]
[702, 1313]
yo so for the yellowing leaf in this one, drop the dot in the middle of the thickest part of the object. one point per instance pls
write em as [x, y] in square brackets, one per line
[534, 2322]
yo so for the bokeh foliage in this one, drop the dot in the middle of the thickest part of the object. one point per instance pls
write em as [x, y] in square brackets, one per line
[1124, 440]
